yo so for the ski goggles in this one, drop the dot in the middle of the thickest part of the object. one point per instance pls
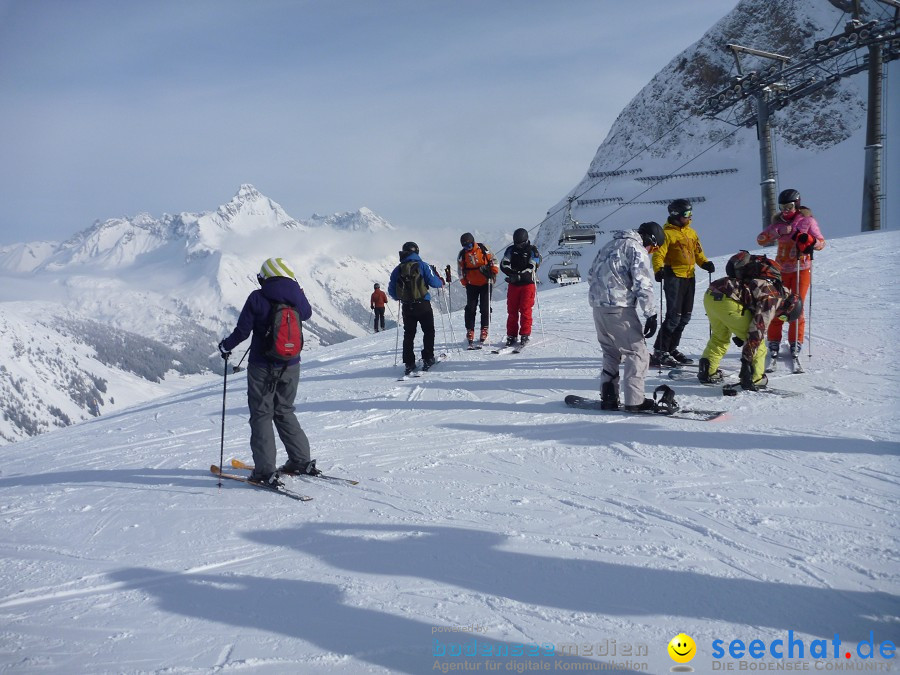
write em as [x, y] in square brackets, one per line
[787, 207]
[683, 214]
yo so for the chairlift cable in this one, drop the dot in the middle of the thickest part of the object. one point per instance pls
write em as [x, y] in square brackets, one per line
[679, 168]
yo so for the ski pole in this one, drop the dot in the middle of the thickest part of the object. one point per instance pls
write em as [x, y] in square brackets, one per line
[441, 314]
[809, 314]
[237, 368]
[222, 442]
[491, 301]
[449, 320]
[540, 316]
[796, 322]
[710, 284]
[662, 320]
[397, 339]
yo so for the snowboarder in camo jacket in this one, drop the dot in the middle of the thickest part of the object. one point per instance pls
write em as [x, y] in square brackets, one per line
[744, 308]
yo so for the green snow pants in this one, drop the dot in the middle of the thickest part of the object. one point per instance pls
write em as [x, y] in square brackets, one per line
[727, 317]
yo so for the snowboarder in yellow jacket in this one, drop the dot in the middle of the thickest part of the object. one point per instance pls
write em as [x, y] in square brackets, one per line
[673, 265]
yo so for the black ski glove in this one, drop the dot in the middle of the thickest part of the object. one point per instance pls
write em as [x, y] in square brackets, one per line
[486, 271]
[222, 351]
[708, 266]
[659, 274]
[737, 341]
[650, 327]
[747, 376]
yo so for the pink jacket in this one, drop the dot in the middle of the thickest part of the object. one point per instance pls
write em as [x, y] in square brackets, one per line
[783, 232]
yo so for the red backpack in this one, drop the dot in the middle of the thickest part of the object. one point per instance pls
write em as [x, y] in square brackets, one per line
[284, 336]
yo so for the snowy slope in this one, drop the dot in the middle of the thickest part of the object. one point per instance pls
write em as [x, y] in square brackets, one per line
[489, 516]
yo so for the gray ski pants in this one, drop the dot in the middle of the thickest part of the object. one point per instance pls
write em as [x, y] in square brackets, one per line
[270, 395]
[621, 334]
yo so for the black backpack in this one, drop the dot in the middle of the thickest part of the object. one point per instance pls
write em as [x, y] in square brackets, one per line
[284, 334]
[411, 284]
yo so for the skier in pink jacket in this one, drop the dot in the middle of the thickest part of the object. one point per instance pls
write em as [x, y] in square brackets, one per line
[797, 235]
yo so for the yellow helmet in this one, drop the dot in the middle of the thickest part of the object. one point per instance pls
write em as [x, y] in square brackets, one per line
[276, 267]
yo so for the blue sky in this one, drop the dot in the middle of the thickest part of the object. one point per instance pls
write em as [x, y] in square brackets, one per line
[476, 114]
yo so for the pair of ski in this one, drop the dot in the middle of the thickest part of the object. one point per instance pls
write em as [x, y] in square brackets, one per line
[583, 403]
[416, 372]
[730, 388]
[509, 349]
[287, 492]
[796, 366]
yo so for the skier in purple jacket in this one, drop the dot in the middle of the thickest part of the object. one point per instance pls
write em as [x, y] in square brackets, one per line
[271, 384]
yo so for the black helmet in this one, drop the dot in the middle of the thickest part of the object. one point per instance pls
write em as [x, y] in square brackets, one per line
[652, 234]
[788, 196]
[792, 307]
[679, 207]
[520, 237]
[377, 286]
[467, 238]
[410, 247]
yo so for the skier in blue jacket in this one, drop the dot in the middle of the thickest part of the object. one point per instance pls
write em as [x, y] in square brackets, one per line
[410, 281]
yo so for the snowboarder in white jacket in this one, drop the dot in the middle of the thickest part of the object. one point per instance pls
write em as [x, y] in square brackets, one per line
[621, 295]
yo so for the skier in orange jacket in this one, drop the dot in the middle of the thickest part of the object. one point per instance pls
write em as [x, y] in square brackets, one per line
[477, 269]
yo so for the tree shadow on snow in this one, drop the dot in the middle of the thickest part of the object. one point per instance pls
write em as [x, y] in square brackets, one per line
[317, 613]
[475, 560]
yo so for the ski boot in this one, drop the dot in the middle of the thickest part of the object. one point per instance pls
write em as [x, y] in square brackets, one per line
[707, 377]
[681, 358]
[662, 360]
[609, 397]
[772, 356]
[649, 405]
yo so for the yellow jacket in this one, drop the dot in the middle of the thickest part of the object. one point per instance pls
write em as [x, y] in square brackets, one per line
[681, 251]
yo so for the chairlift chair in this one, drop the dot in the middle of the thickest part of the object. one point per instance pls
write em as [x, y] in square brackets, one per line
[564, 274]
[577, 236]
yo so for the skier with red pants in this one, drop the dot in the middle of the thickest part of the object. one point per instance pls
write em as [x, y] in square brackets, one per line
[520, 263]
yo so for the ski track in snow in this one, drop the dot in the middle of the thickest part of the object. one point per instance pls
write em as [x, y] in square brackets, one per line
[484, 501]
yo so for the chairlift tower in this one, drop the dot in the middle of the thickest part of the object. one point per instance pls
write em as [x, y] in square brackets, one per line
[862, 46]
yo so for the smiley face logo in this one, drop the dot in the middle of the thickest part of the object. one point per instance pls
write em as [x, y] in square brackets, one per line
[682, 648]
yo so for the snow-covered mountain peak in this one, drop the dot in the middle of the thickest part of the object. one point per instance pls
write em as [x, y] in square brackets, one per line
[361, 220]
[661, 147]
[249, 210]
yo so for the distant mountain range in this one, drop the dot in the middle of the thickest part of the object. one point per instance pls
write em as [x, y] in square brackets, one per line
[151, 297]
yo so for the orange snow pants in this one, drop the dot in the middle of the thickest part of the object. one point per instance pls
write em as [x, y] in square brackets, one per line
[797, 329]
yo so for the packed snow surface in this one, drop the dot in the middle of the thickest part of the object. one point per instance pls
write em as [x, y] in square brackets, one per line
[493, 528]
